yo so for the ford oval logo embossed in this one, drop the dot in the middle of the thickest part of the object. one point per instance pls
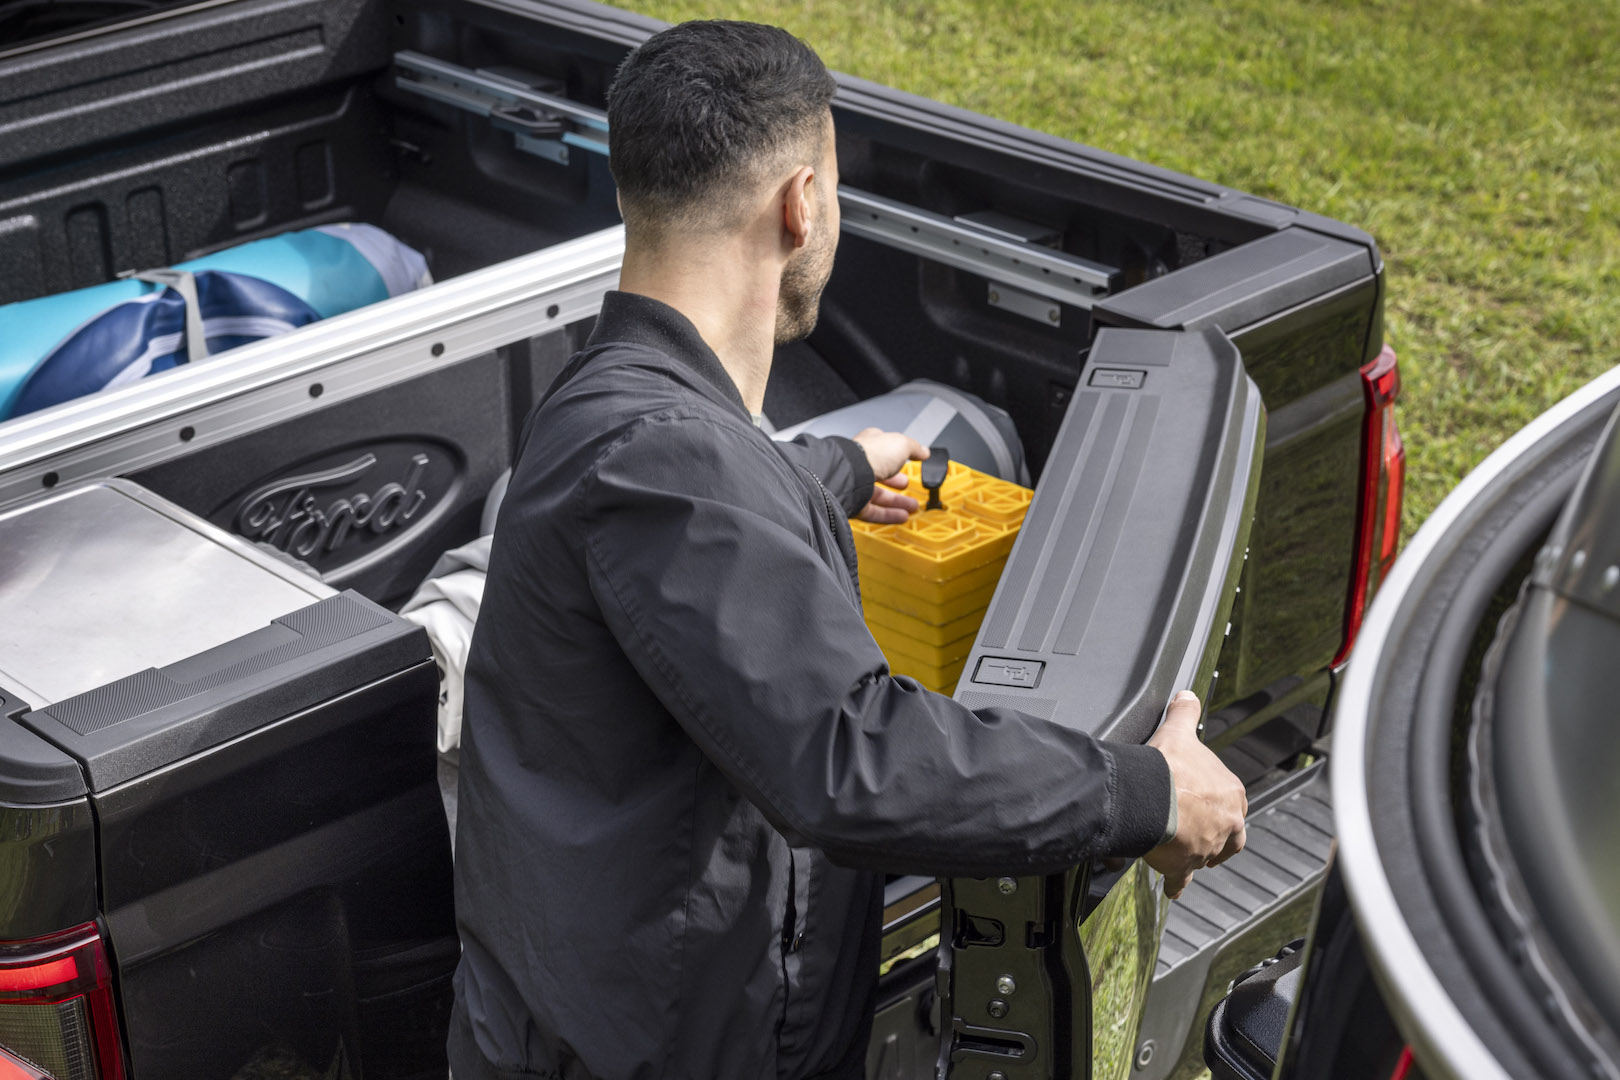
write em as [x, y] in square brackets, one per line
[345, 505]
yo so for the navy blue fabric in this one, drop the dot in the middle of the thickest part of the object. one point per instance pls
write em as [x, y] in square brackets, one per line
[139, 337]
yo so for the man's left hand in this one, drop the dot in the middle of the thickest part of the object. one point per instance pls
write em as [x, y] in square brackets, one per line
[888, 452]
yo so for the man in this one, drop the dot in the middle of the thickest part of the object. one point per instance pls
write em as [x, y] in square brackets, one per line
[685, 763]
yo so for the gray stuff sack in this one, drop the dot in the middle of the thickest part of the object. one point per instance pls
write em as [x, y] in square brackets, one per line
[976, 433]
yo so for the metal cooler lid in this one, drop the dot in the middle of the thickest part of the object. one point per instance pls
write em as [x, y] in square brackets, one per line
[100, 581]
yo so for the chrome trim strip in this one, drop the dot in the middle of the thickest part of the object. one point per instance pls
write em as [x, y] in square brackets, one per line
[271, 381]
[1428, 1017]
[477, 90]
[1056, 275]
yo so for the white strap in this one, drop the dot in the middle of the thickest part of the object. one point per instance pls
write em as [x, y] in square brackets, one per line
[182, 282]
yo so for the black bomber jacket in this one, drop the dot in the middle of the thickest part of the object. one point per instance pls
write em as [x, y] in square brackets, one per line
[685, 764]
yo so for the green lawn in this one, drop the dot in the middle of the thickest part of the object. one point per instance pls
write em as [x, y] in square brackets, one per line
[1478, 141]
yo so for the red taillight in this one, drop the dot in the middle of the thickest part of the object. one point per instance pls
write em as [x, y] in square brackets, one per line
[1383, 474]
[1403, 1065]
[13, 1067]
[40, 976]
[56, 1009]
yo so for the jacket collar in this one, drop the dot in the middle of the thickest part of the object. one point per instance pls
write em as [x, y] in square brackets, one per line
[641, 320]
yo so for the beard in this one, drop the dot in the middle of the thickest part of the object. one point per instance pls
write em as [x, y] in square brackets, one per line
[803, 278]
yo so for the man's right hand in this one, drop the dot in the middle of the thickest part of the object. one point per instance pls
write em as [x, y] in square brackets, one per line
[1210, 801]
[887, 452]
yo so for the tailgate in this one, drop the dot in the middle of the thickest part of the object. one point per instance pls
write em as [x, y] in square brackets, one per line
[1116, 596]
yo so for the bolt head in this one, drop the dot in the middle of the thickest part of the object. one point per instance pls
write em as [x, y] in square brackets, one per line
[1006, 886]
[1005, 985]
[995, 297]
[1054, 314]
[997, 1009]
[1144, 1054]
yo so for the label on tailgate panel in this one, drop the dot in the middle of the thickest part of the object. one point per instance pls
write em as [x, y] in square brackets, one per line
[1117, 378]
[1001, 671]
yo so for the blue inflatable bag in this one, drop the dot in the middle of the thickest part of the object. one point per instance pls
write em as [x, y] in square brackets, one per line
[57, 348]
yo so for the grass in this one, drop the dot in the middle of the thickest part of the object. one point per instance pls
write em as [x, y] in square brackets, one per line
[1479, 142]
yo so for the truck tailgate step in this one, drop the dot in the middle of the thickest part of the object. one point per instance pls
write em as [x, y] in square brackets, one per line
[1234, 915]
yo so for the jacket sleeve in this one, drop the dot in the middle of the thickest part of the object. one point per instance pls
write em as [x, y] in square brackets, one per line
[837, 462]
[755, 646]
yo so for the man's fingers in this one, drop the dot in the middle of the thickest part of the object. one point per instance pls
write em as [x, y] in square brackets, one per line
[888, 507]
[883, 515]
[1234, 844]
[898, 481]
[884, 496]
[887, 451]
[1175, 883]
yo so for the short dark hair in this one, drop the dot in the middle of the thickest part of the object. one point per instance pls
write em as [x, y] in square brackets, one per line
[708, 105]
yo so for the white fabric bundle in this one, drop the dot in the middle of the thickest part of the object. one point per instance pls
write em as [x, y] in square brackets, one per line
[446, 606]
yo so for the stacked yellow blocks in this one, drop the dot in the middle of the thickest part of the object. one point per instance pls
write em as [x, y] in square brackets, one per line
[925, 584]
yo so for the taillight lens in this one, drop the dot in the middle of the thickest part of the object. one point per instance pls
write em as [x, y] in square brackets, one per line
[56, 1009]
[13, 1067]
[1383, 474]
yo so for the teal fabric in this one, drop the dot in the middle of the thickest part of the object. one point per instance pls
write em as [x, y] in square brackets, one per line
[325, 271]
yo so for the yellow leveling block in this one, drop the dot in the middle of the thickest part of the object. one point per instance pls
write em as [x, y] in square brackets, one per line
[925, 584]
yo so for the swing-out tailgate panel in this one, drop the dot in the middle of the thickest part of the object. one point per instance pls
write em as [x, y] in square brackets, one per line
[1118, 591]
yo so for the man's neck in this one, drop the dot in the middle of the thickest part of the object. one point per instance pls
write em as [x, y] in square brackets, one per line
[732, 307]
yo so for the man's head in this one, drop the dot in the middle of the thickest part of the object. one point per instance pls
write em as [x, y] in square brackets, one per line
[722, 129]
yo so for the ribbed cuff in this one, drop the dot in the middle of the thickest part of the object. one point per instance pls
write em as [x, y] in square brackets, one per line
[1173, 822]
[860, 492]
[1143, 797]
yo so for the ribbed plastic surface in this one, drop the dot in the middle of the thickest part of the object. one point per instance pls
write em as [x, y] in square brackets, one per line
[1287, 851]
[926, 583]
[1235, 915]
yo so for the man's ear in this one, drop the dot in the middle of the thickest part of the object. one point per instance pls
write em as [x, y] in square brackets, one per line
[799, 206]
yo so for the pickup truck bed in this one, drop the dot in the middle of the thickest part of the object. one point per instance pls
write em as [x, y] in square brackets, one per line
[977, 254]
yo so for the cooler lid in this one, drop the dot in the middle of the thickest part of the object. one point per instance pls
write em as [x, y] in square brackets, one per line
[104, 580]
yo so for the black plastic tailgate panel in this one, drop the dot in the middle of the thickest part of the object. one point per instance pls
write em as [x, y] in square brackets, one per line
[1129, 557]
[1115, 597]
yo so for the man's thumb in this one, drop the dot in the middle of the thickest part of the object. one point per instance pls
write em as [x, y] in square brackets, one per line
[1183, 713]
